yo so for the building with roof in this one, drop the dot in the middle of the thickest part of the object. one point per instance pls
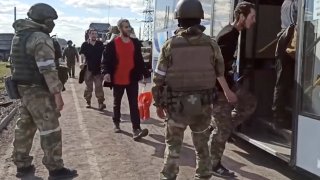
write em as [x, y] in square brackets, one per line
[102, 29]
[63, 43]
[5, 45]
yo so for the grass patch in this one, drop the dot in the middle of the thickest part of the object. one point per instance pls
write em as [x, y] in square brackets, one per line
[4, 71]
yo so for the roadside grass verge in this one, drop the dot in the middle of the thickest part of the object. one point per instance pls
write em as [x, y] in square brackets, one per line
[4, 71]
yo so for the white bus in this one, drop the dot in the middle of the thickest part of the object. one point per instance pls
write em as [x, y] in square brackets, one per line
[299, 145]
[165, 24]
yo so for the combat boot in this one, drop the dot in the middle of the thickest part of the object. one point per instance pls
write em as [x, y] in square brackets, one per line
[88, 104]
[102, 107]
[221, 171]
[116, 128]
[282, 121]
[22, 172]
[139, 133]
[62, 174]
[164, 176]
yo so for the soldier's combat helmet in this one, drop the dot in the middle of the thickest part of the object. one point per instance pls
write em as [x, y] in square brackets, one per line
[189, 9]
[40, 12]
[70, 42]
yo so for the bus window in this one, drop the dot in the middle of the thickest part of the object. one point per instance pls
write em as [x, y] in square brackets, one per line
[311, 63]
[221, 15]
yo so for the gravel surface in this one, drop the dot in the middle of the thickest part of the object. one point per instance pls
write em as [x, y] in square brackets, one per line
[91, 147]
[6, 139]
[6, 134]
[4, 111]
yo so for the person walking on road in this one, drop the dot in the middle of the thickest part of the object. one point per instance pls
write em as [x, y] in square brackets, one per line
[228, 116]
[91, 52]
[36, 75]
[185, 79]
[123, 66]
[71, 54]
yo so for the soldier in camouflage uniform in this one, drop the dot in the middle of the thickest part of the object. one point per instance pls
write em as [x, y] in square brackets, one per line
[71, 54]
[185, 78]
[228, 116]
[40, 89]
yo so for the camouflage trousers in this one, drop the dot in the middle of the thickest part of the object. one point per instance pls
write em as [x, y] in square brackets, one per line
[175, 128]
[226, 118]
[37, 112]
[91, 80]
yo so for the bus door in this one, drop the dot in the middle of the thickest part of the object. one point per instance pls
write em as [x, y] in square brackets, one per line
[257, 61]
[307, 125]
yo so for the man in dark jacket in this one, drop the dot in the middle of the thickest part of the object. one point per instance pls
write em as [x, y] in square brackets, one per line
[123, 66]
[227, 116]
[91, 51]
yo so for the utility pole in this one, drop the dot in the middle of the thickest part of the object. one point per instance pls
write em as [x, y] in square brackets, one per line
[140, 32]
[15, 13]
[148, 20]
[139, 21]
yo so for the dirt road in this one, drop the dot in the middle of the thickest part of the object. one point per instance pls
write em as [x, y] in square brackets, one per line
[90, 146]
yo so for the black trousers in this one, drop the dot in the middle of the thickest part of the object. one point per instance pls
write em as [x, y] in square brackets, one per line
[285, 67]
[132, 93]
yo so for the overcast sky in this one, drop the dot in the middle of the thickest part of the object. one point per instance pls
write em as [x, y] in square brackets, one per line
[75, 15]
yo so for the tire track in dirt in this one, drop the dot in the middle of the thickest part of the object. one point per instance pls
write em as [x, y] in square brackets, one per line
[92, 159]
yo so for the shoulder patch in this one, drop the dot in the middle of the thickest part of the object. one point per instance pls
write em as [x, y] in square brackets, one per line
[41, 38]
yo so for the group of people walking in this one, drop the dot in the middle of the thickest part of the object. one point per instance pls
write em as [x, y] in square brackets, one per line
[121, 68]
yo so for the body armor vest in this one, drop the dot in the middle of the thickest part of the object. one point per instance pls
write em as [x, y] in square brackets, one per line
[25, 69]
[191, 67]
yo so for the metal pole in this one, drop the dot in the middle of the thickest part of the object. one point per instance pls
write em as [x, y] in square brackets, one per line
[140, 31]
[212, 18]
[15, 13]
